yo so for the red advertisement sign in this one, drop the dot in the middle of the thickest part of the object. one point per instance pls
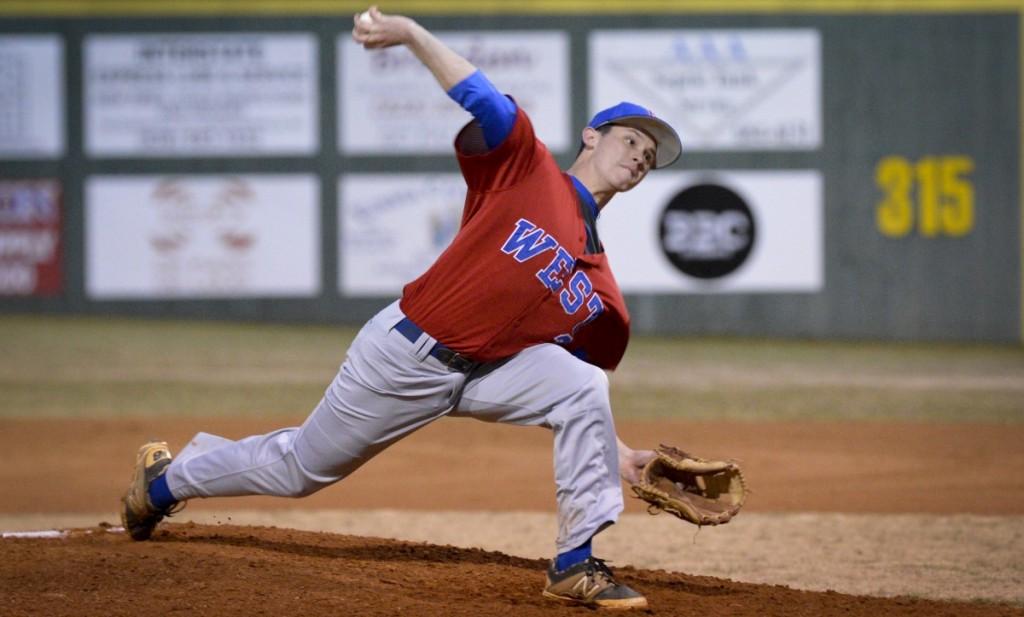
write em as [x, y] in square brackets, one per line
[30, 238]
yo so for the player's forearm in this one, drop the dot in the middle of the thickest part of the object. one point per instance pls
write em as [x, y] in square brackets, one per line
[628, 468]
[375, 30]
[464, 83]
[448, 67]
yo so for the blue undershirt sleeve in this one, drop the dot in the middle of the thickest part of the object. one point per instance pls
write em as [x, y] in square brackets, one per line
[495, 112]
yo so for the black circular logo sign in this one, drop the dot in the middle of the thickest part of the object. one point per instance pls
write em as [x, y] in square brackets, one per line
[707, 231]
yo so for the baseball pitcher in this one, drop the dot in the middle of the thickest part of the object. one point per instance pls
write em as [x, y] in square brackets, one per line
[515, 322]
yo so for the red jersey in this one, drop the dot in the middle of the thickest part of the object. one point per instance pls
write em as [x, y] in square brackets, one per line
[516, 274]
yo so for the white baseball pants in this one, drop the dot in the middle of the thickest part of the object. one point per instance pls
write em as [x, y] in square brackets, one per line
[387, 388]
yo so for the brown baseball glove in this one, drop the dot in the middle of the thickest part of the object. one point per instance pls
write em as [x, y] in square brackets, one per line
[696, 490]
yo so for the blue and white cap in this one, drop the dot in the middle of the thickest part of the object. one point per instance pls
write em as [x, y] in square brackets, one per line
[639, 117]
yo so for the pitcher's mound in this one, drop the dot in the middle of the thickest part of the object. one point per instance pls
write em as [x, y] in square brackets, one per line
[189, 569]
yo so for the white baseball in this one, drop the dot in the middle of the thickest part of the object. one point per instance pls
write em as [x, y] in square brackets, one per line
[365, 19]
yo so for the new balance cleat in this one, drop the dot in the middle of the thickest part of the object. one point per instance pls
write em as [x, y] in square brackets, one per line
[590, 583]
[138, 514]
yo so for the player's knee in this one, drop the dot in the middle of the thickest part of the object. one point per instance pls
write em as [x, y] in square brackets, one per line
[589, 389]
[587, 409]
[595, 385]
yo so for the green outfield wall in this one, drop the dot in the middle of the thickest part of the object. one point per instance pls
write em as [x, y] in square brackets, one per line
[850, 169]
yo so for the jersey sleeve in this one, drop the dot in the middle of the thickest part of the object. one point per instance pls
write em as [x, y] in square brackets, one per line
[487, 170]
[495, 112]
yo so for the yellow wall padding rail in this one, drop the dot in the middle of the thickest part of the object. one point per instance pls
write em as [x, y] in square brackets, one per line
[85, 8]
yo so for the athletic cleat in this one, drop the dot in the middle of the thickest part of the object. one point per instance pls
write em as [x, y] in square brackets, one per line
[138, 514]
[590, 583]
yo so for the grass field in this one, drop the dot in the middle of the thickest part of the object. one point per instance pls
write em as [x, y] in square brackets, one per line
[91, 366]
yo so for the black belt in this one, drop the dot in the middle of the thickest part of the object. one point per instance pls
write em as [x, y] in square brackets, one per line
[449, 358]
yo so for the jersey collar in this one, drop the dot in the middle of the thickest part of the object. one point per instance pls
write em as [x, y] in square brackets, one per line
[585, 195]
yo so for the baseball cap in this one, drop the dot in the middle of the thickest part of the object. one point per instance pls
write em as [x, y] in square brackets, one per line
[639, 117]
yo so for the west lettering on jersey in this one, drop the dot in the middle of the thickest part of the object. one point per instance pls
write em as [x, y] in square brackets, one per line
[582, 286]
[527, 241]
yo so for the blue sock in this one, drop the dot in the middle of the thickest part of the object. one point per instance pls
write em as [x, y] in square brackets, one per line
[160, 495]
[573, 557]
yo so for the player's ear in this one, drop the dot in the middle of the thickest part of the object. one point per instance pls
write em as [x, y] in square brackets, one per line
[590, 137]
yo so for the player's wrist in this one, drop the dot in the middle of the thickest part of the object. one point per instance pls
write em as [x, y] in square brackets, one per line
[414, 36]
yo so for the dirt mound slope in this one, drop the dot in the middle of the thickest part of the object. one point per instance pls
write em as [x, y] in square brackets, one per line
[233, 570]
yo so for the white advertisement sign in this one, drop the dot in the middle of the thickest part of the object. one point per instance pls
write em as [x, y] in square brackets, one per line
[201, 94]
[31, 96]
[393, 227]
[720, 89]
[391, 104]
[156, 237]
[718, 232]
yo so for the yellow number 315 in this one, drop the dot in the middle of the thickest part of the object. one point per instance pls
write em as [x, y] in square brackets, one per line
[945, 196]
